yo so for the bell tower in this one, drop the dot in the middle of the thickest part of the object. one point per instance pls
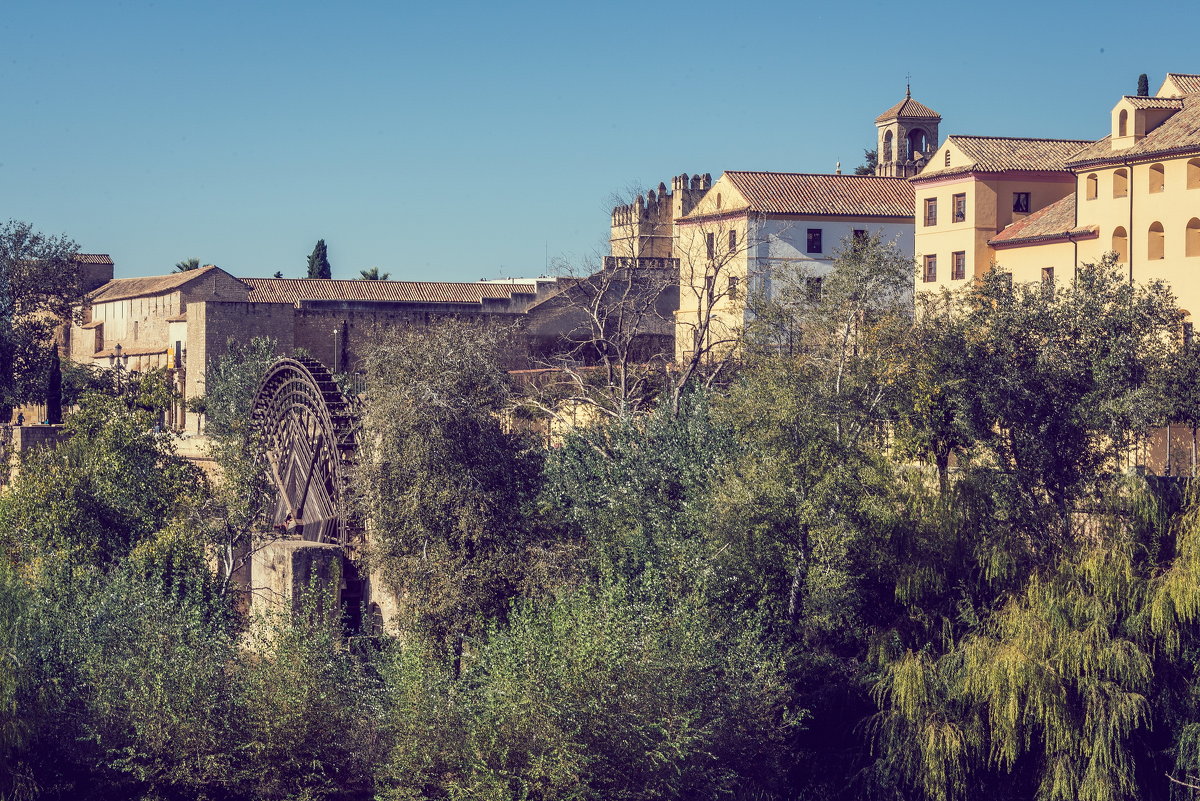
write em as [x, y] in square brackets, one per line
[908, 133]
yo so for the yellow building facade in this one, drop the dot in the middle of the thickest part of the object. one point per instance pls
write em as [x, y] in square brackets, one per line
[1136, 194]
[972, 189]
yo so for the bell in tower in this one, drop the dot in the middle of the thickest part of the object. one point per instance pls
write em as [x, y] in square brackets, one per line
[908, 133]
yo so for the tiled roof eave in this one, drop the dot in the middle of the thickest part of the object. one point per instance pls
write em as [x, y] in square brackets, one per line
[985, 172]
[1135, 158]
[803, 215]
[886, 118]
[1074, 235]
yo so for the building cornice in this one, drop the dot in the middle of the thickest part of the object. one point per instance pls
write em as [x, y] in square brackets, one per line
[1120, 160]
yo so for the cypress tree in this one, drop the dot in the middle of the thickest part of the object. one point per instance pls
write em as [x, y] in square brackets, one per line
[1143, 85]
[54, 389]
[318, 262]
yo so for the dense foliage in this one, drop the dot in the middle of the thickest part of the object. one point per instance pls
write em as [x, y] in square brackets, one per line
[894, 555]
[39, 285]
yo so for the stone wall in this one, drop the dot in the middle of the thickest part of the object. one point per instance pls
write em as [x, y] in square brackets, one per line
[359, 326]
[287, 574]
[210, 326]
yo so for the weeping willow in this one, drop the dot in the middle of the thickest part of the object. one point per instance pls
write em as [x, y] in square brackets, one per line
[1056, 687]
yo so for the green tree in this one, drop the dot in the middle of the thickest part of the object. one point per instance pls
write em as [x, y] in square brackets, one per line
[842, 332]
[54, 393]
[111, 484]
[597, 694]
[187, 265]
[445, 490]
[1064, 381]
[229, 516]
[373, 275]
[39, 285]
[931, 407]
[318, 261]
[1143, 87]
[870, 163]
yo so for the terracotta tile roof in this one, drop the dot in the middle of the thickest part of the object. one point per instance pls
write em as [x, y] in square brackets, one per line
[1005, 153]
[92, 324]
[1179, 133]
[295, 290]
[815, 194]
[1138, 101]
[123, 288]
[1055, 221]
[148, 350]
[909, 108]
[93, 258]
[1188, 84]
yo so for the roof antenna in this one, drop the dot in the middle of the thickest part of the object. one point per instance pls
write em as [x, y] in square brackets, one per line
[908, 86]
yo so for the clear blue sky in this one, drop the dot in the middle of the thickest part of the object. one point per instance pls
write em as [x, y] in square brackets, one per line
[459, 141]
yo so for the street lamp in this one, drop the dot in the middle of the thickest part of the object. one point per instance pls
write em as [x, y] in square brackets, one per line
[117, 362]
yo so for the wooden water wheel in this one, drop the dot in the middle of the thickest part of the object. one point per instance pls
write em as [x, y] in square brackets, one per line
[306, 437]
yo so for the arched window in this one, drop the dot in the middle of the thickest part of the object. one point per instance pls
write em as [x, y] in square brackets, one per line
[947, 158]
[1154, 242]
[1120, 244]
[1193, 174]
[1093, 186]
[1157, 178]
[1120, 183]
[1123, 123]
[918, 143]
[887, 147]
[1191, 246]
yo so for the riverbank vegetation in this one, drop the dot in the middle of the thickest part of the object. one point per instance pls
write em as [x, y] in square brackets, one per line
[887, 557]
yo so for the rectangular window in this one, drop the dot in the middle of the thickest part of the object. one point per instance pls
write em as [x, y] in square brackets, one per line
[710, 282]
[960, 207]
[1048, 276]
[1021, 202]
[930, 269]
[958, 265]
[931, 211]
[812, 287]
[711, 241]
[814, 240]
[859, 234]
[733, 287]
[732, 241]
[1189, 334]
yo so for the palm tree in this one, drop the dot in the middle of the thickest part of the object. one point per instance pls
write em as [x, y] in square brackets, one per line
[187, 264]
[373, 275]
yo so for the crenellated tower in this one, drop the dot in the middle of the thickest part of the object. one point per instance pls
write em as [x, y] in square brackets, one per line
[645, 228]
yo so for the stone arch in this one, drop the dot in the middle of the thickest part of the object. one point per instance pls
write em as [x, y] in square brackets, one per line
[1157, 179]
[918, 142]
[1191, 245]
[1155, 242]
[1120, 244]
[1121, 183]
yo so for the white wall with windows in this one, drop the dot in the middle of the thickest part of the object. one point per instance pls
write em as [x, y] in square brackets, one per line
[812, 244]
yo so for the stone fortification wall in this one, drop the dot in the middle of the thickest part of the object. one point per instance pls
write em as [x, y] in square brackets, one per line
[645, 228]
